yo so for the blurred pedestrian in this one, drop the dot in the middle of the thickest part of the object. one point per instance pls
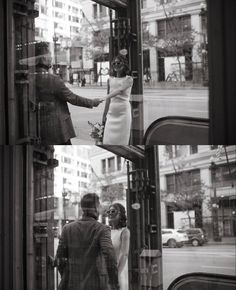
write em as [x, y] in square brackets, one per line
[80, 245]
[83, 82]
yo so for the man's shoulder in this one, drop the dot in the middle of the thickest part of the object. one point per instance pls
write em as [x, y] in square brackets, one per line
[100, 227]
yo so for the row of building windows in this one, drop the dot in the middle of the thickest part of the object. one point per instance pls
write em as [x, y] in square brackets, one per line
[69, 160]
[72, 172]
[111, 164]
[75, 19]
[59, 4]
[67, 182]
[99, 11]
[144, 3]
[224, 176]
[181, 181]
[174, 25]
[74, 29]
[175, 151]
[71, 18]
[170, 26]
[41, 32]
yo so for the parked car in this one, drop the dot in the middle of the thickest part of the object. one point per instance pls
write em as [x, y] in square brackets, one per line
[196, 236]
[172, 238]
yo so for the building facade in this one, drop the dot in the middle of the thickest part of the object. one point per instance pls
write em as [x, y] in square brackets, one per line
[205, 170]
[71, 181]
[59, 24]
[174, 39]
[109, 175]
[183, 170]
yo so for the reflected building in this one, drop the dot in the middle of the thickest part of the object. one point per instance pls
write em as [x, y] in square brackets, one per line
[59, 24]
[109, 176]
[194, 195]
[174, 36]
[175, 41]
[71, 181]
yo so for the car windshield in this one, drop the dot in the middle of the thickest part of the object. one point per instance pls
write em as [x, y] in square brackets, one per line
[181, 231]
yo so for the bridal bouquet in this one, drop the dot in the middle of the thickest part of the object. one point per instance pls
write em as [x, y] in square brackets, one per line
[97, 132]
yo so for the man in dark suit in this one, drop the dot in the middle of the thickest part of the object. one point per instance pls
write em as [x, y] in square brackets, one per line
[52, 96]
[81, 244]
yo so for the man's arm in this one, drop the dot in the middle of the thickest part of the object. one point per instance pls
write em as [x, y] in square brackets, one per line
[67, 95]
[110, 258]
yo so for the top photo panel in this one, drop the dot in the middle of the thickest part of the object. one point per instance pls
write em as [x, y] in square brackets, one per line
[115, 72]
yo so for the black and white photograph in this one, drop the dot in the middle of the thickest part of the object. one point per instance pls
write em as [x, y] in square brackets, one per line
[117, 145]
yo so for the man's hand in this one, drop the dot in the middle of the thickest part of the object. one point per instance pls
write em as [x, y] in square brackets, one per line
[97, 101]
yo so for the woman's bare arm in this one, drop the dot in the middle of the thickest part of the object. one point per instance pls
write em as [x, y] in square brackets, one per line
[126, 84]
[124, 249]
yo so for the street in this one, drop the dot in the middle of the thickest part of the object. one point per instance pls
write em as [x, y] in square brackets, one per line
[158, 103]
[208, 258]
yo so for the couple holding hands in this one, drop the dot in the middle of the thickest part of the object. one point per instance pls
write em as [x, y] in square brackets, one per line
[91, 255]
[52, 96]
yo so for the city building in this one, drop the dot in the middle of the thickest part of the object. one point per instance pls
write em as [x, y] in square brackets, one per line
[174, 39]
[96, 33]
[208, 172]
[109, 175]
[59, 24]
[197, 184]
[71, 181]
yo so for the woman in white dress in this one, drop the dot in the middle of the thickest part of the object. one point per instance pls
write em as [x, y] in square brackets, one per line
[120, 236]
[117, 112]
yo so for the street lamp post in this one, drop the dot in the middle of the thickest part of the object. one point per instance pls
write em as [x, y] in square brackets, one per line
[67, 45]
[215, 206]
[203, 16]
[64, 194]
[55, 39]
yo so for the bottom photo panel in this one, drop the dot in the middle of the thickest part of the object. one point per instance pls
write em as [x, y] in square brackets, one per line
[80, 217]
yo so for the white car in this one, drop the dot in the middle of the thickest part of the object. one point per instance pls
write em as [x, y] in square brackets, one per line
[173, 238]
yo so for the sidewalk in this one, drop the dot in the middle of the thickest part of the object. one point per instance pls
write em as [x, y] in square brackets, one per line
[158, 86]
[77, 141]
[224, 241]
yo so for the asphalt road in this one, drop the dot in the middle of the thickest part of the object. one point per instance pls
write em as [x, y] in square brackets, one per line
[157, 103]
[219, 259]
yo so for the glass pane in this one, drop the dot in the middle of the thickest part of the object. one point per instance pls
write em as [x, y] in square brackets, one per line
[64, 50]
[197, 223]
[199, 207]
[176, 71]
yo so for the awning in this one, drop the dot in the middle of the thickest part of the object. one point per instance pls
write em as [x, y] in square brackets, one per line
[114, 4]
[132, 153]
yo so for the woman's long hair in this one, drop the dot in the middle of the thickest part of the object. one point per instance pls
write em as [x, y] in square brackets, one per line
[125, 71]
[123, 219]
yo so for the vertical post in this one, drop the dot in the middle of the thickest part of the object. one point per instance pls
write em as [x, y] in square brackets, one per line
[3, 74]
[64, 194]
[55, 39]
[136, 57]
[215, 220]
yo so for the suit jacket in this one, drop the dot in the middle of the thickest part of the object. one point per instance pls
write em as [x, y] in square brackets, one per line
[55, 121]
[81, 243]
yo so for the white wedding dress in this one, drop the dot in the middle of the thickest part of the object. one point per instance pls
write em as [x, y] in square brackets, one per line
[116, 241]
[118, 123]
